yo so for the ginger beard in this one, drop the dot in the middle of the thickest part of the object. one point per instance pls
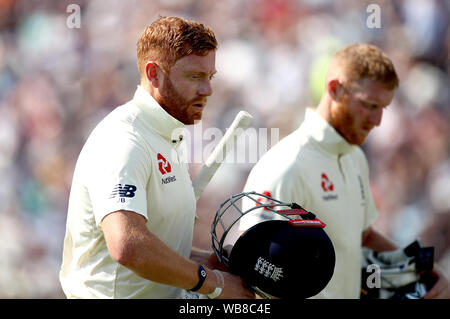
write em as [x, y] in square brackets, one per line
[346, 123]
[177, 105]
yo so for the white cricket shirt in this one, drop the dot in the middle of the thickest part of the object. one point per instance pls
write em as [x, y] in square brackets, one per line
[133, 160]
[318, 169]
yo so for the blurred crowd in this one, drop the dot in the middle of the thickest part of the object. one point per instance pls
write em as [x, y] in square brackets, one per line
[57, 82]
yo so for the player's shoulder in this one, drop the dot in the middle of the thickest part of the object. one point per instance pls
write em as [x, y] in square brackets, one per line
[289, 151]
[115, 132]
[277, 154]
[122, 119]
[122, 116]
[279, 162]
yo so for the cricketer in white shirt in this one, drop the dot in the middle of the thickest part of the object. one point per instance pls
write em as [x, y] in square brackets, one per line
[131, 161]
[318, 169]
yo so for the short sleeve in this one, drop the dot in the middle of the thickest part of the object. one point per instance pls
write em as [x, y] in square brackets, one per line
[120, 170]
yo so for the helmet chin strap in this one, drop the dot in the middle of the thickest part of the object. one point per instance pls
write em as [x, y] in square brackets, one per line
[307, 215]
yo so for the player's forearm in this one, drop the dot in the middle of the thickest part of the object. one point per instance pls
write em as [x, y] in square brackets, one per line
[133, 246]
[207, 258]
[377, 241]
[159, 263]
[200, 255]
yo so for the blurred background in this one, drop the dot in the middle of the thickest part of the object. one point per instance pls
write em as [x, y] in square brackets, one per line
[57, 82]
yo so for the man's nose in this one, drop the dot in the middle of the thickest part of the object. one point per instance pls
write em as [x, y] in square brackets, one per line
[376, 116]
[205, 88]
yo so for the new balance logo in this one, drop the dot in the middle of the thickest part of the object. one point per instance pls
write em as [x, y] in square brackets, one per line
[268, 270]
[123, 191]
[163, 164]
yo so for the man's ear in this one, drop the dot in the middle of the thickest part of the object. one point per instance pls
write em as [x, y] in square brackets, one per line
[152, 72]
[335, 89]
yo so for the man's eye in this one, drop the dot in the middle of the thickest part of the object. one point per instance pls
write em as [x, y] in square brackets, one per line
[370, 106]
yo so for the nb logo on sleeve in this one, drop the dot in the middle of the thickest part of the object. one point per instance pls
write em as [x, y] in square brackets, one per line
[123, 191]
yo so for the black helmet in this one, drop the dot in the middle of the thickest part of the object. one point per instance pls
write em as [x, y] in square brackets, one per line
[290, 258]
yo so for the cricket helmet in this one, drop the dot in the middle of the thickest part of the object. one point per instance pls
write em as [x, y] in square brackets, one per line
[291, 257]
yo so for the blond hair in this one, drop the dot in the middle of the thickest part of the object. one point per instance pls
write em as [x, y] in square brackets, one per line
[359, 61]
[169, 39]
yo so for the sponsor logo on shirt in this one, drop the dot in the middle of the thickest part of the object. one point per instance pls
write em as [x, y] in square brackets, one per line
[122, 192]
[327, 186]
[168, 180]
[165, 168]
[163, 164]
[264, 200]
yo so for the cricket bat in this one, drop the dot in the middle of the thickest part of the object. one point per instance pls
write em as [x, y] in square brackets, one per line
[240, 123]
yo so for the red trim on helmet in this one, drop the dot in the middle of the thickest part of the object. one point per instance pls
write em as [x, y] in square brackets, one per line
[293, 211]
[302, 222]
[307, 223]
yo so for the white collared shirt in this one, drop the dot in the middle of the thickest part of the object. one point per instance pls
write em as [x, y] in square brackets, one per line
[133, 160]
[318, 169]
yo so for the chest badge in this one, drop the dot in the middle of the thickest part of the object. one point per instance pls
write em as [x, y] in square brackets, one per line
[327, 186]
[165, 168]
[163, 164]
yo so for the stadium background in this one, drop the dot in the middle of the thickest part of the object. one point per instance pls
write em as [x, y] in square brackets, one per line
[57, 82]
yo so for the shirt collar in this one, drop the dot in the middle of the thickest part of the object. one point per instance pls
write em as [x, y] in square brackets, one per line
[324, 134]
[156, 117]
